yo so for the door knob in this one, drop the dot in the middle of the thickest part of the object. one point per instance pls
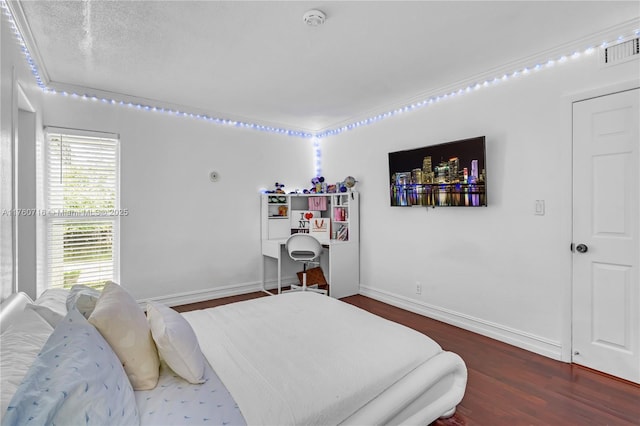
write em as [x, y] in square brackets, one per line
[582, 248]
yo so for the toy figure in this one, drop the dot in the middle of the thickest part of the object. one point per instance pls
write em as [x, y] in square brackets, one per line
[318, 185]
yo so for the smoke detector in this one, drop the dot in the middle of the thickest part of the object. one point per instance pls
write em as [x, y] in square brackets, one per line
[314, 18]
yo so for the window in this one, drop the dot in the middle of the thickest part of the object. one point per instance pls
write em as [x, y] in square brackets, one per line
[82, 214]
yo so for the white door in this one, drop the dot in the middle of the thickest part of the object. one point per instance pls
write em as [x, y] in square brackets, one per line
[606, 256]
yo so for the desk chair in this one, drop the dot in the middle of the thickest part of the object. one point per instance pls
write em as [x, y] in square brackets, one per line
[306, 249]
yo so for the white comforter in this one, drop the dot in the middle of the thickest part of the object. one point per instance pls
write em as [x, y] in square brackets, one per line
[303, 358]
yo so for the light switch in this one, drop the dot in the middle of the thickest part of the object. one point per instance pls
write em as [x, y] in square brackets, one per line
[539, 208]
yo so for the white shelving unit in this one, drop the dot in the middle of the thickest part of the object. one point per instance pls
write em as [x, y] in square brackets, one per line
[336, 226]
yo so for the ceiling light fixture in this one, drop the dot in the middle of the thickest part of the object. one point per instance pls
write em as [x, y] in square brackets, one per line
[314, 18]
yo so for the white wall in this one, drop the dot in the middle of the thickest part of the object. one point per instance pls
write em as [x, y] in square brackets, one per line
[13, 72]
[184, 235]
[6, 194]
[27, 190]
[499, 270]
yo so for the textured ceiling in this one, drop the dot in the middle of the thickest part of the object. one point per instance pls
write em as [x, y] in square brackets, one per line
[258, 61]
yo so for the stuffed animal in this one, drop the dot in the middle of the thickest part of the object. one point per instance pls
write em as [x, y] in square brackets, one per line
[278, 189]
[318, 185]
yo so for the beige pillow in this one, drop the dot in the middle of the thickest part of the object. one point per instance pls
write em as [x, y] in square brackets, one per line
[124, 326]
[176, 342]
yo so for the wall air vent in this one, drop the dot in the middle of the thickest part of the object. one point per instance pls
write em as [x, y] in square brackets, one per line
[621, 52]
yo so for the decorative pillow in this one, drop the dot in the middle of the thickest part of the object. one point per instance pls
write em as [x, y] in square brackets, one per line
[54, 299]
[76, 379]
[84, 298]
[21, 342]
[49, 315]
[177, 343]
[122, 323]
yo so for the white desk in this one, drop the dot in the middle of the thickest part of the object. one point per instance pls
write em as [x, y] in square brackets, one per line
[343, 275]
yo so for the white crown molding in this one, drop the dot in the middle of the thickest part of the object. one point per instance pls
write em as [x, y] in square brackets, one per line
[20, 20]
[595, 40]
[137, 102]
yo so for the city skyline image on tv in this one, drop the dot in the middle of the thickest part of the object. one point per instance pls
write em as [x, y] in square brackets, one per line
[447, 174]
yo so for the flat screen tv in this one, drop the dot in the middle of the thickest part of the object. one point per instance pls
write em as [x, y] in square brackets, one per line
[447, 174]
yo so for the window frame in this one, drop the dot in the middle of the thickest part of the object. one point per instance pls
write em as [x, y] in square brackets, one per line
[51, 218]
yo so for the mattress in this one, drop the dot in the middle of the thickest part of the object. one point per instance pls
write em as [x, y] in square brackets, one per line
[20, 344]
[297, 358]
[174, 401]
[304, 358]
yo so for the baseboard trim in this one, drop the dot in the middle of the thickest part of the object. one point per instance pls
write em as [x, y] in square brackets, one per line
[196, 296]
[518, 338]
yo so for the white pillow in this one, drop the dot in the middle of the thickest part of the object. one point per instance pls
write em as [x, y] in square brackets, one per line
[76, 379]
[49, 315]
[51, 305]
[54, 299]
[83, 298]
[123, 325]
[177, 343]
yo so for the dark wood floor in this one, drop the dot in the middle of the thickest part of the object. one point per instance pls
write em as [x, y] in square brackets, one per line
[508, 385]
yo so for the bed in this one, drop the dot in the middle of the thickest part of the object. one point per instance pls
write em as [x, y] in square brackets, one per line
[296, 358]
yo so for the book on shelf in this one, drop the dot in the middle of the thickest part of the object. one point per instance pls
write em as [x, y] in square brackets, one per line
[342, 234]
[340, 214]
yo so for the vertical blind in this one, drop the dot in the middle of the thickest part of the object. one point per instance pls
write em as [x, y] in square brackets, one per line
[82, 209]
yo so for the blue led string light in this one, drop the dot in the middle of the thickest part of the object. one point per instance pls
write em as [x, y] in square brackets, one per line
[464, 90]
[23, 45]
[151, 108]
[317, 150]
[181, 113]
[316, 137]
